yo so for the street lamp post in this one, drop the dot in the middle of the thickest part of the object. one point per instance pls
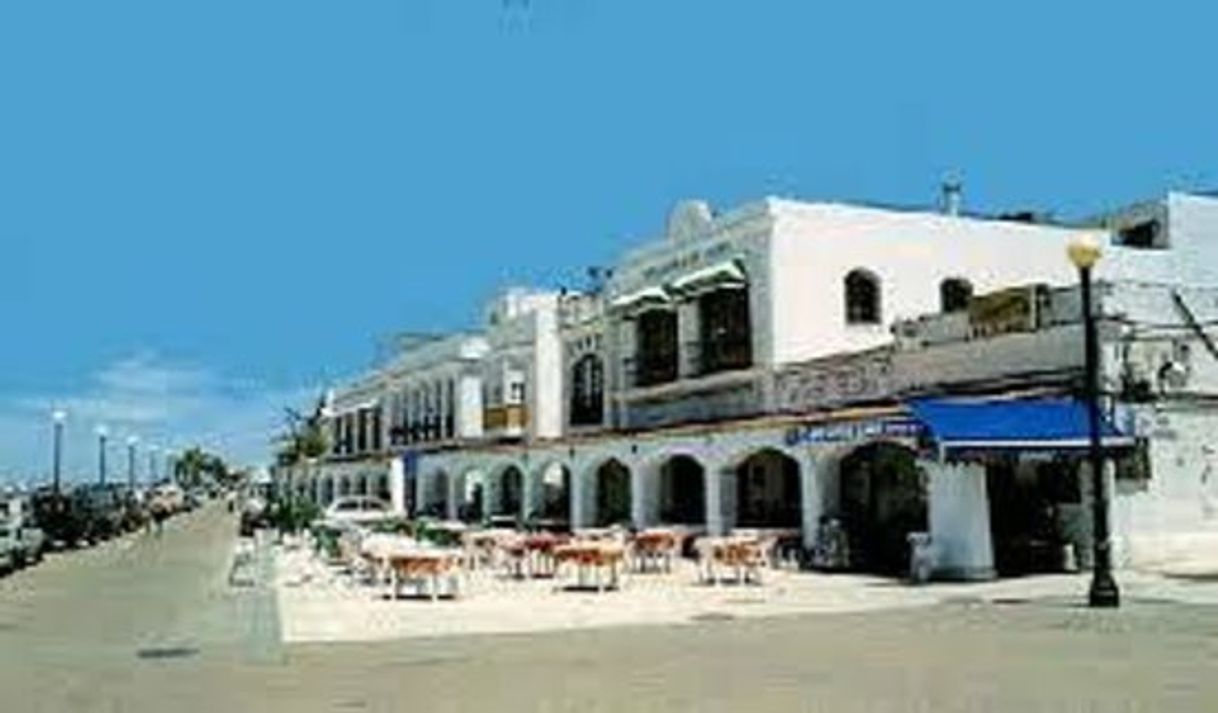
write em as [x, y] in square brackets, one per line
[152, 463]
[58, 417]
[131, 441]
[1084, 252]
[102, 433]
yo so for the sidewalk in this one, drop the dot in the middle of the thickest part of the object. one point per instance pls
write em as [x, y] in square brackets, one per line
[316, 604]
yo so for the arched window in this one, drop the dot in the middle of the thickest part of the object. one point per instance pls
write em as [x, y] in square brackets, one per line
[862, 297]
[587, 391]
[954, 294]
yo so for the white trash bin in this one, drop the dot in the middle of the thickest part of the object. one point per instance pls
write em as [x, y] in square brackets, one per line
[921, 557]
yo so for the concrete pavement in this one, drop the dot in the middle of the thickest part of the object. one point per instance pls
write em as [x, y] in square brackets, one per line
[84, 631]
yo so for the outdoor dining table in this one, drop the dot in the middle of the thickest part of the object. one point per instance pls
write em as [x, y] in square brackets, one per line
[482, 546]
[532, 554]
[656, 546]
[592, 556]
[423, 565]
[744, 555]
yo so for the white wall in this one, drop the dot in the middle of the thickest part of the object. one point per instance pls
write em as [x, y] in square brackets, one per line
[1171, 520]
[816, 245]
[1193, 232]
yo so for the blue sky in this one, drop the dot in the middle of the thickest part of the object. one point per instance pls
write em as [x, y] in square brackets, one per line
[209, 208]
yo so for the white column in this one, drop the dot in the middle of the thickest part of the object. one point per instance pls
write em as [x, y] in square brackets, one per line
[959, 520]
[454, 494]
[713, 487]
[810, 505]
[397, 485]
[580, 486]
[641, 506]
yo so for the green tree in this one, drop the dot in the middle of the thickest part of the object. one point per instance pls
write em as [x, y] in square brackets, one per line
[304, 437]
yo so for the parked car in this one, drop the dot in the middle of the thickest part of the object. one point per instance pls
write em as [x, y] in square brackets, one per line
[103, 508]
[8, 558]
[24, 544]
[357, 509]
[59, 515]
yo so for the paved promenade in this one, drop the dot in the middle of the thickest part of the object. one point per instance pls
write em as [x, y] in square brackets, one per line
[151, 624]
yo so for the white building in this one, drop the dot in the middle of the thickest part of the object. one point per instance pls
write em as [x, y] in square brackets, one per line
[755, 369]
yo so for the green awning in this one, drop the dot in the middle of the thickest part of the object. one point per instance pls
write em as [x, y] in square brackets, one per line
[727, 275]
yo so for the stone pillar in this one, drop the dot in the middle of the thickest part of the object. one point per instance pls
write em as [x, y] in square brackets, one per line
[642, 501]
[810, 506]
[578, 498]
[959, 520]
[397, 485]
[454, 494]
[713, 486]
[532, 496]
[728, 496]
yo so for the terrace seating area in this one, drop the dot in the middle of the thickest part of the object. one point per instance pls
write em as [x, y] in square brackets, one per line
[439, 579]
[436, 560]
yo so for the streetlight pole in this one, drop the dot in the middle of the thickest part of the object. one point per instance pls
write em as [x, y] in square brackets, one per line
[1084, 252]
[131, 441]
[58, 417]
[101, 454]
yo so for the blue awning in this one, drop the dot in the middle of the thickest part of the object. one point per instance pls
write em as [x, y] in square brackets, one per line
[1030, 424]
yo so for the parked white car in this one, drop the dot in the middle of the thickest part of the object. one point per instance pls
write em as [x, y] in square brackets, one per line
[20, 545]
[356, 509]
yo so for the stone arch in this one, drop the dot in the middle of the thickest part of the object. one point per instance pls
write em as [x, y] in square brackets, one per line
[882, 497]
[612, 491]
[550, 496]
[680, 485]
[506, 490]
[436, 493]
[767, 489]
[470, 495]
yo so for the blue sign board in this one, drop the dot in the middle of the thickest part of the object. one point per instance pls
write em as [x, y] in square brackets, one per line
[852, 431]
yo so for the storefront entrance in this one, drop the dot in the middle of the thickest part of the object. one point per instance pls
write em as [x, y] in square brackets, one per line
[1031, 507]
[883, 499]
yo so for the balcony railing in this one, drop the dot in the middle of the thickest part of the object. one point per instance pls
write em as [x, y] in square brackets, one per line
[510, 417]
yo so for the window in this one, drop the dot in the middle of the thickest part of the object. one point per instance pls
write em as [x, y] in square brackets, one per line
[588, 391]
[516, 392]
[862, 297]
[656, 359]
[1147, 234]
[726, 338]
[954, 294]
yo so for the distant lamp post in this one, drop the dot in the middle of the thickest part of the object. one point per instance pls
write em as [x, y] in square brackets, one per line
[57, 418]
[102, 434]
[131, 443]
[1084, 252]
